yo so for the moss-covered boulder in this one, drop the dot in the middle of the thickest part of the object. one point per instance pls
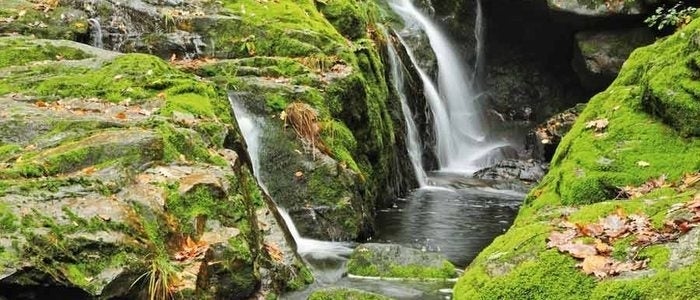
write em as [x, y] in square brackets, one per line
[396, 261]
[343, 293]
[641, 127]
[118, 172]
[330, 181]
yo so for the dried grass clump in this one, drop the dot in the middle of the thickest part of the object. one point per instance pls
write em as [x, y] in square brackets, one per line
[304, 120]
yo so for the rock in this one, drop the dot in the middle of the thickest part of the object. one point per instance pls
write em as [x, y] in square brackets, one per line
[99, 188]
[544, 139]
[396, 261]
[344, 293]
[513, 169]
[599, 55]
[684, 251]
[598, 8]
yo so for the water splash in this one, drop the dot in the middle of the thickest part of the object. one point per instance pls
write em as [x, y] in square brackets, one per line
[96, 33]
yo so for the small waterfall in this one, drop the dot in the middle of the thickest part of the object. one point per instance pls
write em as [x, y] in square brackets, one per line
[415, 152]
[316, 253]
[96, 33]
[462, 144]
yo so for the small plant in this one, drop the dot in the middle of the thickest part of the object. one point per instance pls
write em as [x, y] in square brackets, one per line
[676, 17]
[162, 276]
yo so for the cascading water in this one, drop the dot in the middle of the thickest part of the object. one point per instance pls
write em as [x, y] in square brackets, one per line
[462, 144]
[415, 152]
[329, 253]
[96, 33]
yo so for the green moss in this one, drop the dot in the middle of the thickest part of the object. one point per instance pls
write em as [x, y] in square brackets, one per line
[361, 263]
[8, 221]
[349, 17]
[7, 151]
[343, 294]
[549, 276]
[52, 24]
[202, 201]
[20, 51]
[302, 278]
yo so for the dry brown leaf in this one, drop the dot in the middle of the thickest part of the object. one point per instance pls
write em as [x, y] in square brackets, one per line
[614, 226]
[597, 125]
[603, 248]
[120, 116]
[191, 249]
[578, 250]
[89, 170]
[274, 251]
[560, 238]
[40, 103]
[600, 266]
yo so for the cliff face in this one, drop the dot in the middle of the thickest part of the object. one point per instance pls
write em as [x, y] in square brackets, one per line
[643, 127]
[126, 168]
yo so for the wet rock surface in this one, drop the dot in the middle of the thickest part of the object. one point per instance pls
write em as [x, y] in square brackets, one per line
[391, 260]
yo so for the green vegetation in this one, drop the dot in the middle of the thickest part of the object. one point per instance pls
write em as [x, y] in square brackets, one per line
[651, 131]
[343, 294]
[19, 52]
[367, 263]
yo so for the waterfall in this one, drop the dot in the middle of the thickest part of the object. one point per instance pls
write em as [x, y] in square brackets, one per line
[462, 144]
[415, 152]
[96, 33]
[311, 250]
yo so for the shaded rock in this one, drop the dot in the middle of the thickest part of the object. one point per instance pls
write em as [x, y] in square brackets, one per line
[512, 169]
[391, 260]
[598, 8]
[599, 55]
[544, 139]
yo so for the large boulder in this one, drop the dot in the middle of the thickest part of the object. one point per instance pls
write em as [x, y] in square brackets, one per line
[637, 136]
[120, 170]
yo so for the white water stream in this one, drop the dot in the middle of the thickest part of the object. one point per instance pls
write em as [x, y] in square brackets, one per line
[463, 145]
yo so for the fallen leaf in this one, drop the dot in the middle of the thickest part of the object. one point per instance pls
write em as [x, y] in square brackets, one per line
[614, 226]
[578, 250]
[120, 116]
[556, 239]
[597, 125]
[299, 174]
[274, 251]
[40, 103]
[89, 170]
[600, 266]
[603, 248]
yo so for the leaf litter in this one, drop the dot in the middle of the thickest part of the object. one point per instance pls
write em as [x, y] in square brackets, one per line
[592, 243]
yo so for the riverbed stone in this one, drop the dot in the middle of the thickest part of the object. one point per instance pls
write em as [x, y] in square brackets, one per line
[396, 261]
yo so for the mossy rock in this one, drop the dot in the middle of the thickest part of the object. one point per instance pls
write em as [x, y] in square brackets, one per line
[344, 293]
[110, 164]
[588, 168]
[395, 261]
